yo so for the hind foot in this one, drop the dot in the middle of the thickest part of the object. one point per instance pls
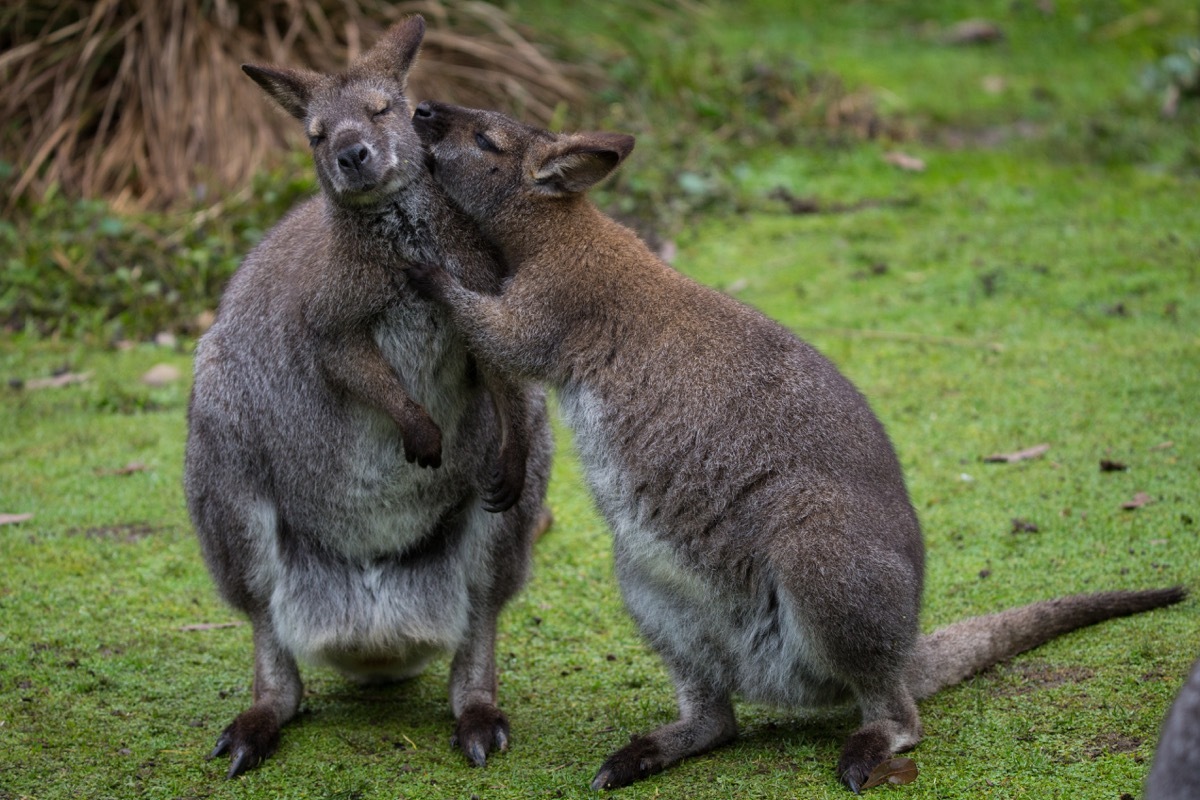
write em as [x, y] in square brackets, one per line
[481, 729]
[248, 740]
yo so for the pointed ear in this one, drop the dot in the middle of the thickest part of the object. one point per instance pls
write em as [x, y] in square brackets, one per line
[396, 50]
[291, 88]
[577, 162]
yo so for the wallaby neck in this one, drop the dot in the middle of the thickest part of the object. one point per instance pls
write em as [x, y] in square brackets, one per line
[415, 224]
[553, 230]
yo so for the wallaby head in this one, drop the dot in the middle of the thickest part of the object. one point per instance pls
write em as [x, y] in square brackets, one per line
[491, 165]
[358, 121]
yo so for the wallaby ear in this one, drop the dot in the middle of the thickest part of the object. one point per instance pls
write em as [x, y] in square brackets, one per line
[577, 162]
[291, 88]
[396, 50]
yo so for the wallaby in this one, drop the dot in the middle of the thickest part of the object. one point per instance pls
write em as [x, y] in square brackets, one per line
[1175, 774]
[323, 378]
[763, 536]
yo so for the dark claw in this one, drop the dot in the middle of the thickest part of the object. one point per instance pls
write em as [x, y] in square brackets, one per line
[242, 761]
[222, 747]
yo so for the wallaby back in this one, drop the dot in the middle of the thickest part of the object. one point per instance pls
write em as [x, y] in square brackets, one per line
[954, 653]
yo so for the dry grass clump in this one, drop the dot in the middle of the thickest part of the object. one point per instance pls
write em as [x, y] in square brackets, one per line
[143, 101]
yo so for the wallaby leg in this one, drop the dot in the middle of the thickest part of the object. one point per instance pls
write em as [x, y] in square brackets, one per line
[497, 327]
[890, 725]
[355, 364]
[254, 734]
[705, 721]
[481, 726]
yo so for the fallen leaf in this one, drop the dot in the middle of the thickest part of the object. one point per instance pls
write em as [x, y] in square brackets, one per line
[994, 84]
[1107, 465]
[974, 31]
[165, 339]
[12, 519]
[1140, 499]
[1163, 446]
[904, 161]
[161, 375]
[209, 626]
[1023, 526]
[65, 379]
[128, 469]
[895, 770]
[1036, 451]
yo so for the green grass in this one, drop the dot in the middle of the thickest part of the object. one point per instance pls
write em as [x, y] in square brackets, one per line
[1037, 290]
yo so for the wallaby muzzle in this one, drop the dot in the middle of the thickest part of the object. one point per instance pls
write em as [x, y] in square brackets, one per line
[430, 121]
[357, 166]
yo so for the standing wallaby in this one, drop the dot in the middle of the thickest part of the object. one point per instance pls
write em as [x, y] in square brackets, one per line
[323, 379]
[1175, 774]
[763, 536]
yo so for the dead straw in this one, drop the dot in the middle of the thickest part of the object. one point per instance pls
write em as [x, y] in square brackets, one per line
[142, 102]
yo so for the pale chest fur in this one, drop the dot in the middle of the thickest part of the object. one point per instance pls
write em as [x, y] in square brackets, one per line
[749, 639]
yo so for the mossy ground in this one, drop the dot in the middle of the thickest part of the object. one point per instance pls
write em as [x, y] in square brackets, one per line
[1033, 289]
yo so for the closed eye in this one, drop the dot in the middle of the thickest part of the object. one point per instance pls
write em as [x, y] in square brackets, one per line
[313, 141]
[485, 143]
[381, 112]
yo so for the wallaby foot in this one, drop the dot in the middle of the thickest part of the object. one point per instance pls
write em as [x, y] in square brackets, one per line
[422, 439]
[481, 729]
[481, 726]
[887, 729]
[706, 721]
[506, 482]
[248, 740]
[254, 734]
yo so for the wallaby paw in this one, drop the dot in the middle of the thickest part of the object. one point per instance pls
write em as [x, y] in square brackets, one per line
[248, 740]
[639, 759]
[862, 753]
[424, 278]
[481, 729]
[504, 485]
[423, 444]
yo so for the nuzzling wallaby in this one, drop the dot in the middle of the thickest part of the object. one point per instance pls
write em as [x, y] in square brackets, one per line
[322, 380]
[764, 540]
[1175, 774]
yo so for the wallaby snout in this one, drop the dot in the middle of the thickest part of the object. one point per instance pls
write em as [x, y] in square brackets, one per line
[354, 162]
[429, 119]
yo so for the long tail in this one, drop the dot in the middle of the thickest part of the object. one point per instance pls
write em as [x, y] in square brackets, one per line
[954, 653]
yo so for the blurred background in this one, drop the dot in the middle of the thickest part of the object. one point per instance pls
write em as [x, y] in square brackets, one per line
[137, 164]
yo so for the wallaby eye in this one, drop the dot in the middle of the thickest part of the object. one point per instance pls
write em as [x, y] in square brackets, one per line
[382, 112]
[315, 139]
[485, 143]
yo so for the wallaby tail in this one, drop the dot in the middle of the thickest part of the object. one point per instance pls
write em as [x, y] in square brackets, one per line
[954, 653]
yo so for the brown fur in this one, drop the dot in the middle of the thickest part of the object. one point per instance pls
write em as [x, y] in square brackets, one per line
[763, 536]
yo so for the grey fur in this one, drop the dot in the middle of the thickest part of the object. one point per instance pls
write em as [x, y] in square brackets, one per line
[1175, 774]
[322, 380]
[763, 536]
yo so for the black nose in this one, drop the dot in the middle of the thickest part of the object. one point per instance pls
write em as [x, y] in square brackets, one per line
[351, 159]
[424, 110]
